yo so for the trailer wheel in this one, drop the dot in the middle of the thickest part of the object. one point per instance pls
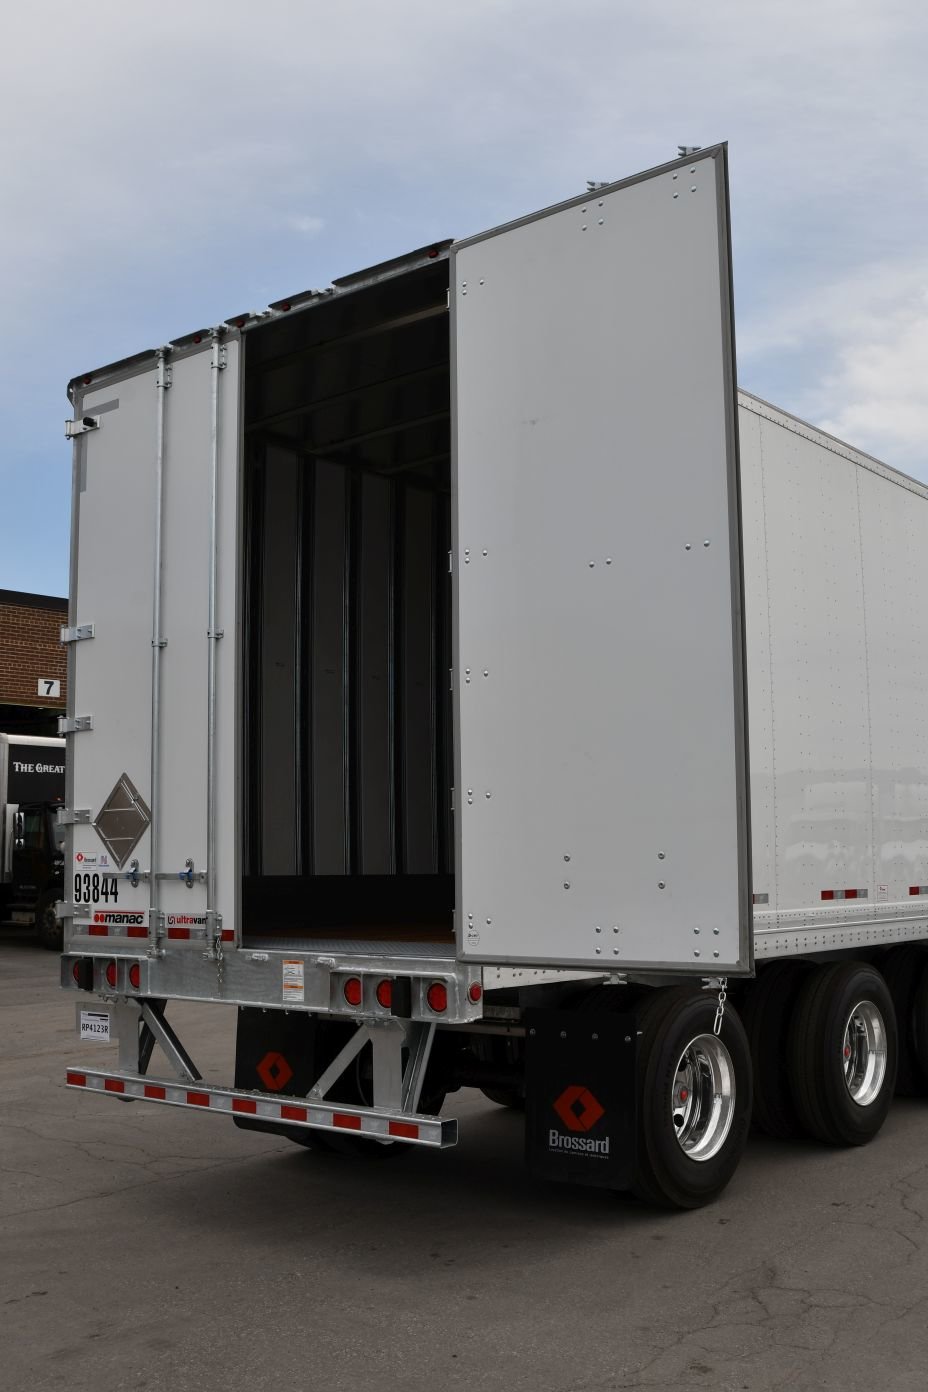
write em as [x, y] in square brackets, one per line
[694, 1098]
[766, 1013]
[843, 1051]
[903, 969]
[920, 1027]
[47, 923]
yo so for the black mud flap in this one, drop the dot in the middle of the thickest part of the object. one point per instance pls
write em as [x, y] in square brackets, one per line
[580, 1097]
[274, 1053]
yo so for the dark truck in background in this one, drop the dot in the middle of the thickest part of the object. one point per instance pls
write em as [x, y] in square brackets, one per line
[31, 791]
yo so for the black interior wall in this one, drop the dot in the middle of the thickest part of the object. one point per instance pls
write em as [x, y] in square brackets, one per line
[348, 748]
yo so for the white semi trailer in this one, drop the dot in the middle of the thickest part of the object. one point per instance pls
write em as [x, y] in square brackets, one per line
[417, 627]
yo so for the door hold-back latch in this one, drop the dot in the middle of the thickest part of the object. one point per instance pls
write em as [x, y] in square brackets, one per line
[73, 428]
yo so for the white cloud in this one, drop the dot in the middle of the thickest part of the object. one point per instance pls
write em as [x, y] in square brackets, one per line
[307, 224]
[168, 164]
[862, 342]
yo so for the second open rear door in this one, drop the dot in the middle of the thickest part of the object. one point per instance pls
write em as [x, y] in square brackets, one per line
[601, 797]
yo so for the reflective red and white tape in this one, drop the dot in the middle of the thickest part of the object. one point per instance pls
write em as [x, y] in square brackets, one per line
[439, 1132]
[111, 924]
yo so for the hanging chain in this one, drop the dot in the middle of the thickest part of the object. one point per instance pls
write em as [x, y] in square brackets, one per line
[216, 952]
[720, 1008]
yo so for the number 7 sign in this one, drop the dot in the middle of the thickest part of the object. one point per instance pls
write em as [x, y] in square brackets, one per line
[48, 687]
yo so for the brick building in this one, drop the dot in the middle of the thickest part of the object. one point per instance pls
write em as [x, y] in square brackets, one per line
[32, 660]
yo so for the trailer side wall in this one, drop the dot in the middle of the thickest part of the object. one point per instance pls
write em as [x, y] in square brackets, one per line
[836, 570]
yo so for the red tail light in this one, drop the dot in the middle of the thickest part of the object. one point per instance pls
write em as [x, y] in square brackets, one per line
[111, 974]
[475, 991]
[385, 994]
[135, 976]
[82, 971]
[353, 991]
[437, 997]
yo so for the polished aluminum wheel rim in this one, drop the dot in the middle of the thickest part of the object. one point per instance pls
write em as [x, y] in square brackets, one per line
[864, 1053]
[703, 1101]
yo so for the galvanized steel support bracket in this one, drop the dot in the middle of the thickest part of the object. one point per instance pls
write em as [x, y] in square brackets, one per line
[396, 1087]
[73, 816]
[181, 1061]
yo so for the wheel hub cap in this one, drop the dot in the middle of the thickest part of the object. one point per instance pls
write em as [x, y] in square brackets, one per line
[864, 1053]
[702, 1103]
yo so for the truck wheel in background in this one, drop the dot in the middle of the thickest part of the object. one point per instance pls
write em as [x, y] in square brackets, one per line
[47, 924]
[767, 1012]
[903, 968]
[843, 1050]
[694, 1098]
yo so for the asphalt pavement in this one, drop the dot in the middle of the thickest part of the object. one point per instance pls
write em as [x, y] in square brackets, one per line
[147, 1247]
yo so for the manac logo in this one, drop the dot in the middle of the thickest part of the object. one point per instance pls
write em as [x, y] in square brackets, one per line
[579, 1111]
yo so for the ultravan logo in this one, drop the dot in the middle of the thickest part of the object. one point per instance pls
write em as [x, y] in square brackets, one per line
[579, 1110]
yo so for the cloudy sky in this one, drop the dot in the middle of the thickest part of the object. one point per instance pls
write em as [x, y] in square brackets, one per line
[167, 165]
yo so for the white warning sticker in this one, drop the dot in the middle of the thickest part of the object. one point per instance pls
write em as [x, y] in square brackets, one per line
[95, 1024]
[293, 980]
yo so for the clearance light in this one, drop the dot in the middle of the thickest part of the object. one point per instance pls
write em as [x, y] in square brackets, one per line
[135, 976]
[111, 974]
[352, 990]
[385, 994]
[474, 991]
[437, 997]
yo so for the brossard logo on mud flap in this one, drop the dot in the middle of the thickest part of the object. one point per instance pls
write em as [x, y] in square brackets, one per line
[579, 1110]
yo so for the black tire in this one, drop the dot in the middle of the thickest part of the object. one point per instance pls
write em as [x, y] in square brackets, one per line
[669, 1022]
[766, 1013]
[316, 1141]
[48, 926]
[919, 1025]
[505, 1053]
[505, 1098]
[903, 968]
[824, 1102]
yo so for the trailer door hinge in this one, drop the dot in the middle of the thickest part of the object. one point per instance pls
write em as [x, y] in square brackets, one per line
[72, 725]
[73, 816]
[73, 428]
[74, 635]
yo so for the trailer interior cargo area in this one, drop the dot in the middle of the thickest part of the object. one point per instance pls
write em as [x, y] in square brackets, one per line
[347, 603]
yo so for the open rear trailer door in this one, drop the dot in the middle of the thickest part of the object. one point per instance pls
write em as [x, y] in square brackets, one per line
[151, 774]
[601, 763]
